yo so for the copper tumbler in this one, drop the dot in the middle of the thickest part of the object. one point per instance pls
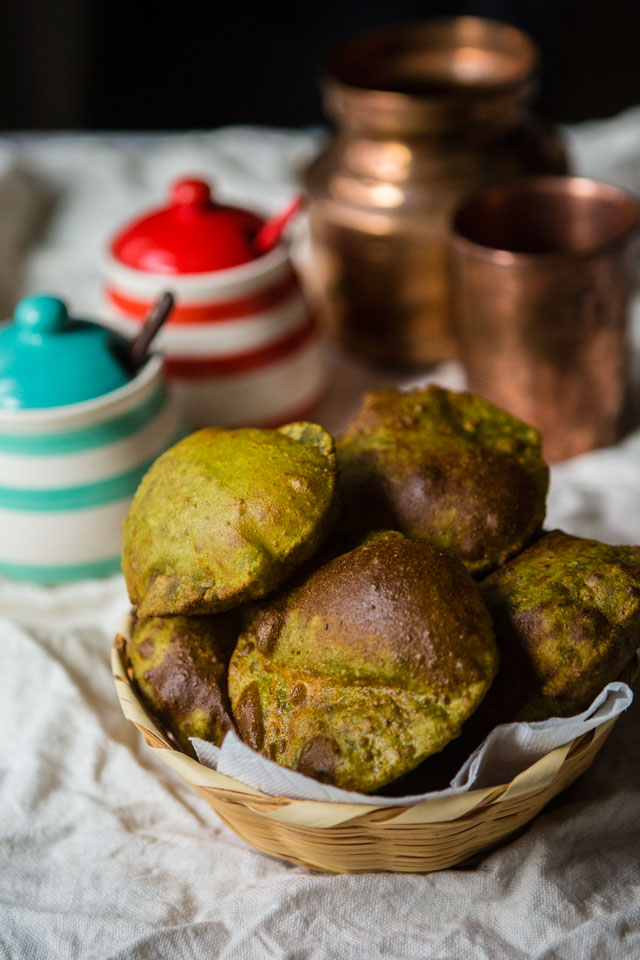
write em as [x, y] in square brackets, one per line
[541, 284]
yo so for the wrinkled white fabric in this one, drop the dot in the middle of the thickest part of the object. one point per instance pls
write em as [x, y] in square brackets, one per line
[105, 854]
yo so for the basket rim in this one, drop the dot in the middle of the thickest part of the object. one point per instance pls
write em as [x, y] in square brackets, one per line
[326, 813]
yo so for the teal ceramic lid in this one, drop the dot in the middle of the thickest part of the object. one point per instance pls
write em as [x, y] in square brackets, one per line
[49, 359]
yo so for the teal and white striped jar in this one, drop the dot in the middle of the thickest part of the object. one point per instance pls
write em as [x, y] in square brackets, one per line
[68, 474]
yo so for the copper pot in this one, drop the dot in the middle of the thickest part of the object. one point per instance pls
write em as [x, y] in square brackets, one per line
[542, 279]
[427, 114]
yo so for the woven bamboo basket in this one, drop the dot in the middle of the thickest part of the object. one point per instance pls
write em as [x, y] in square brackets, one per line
[363, 838]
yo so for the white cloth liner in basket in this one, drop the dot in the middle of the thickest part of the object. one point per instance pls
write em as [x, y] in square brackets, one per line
[506, 752]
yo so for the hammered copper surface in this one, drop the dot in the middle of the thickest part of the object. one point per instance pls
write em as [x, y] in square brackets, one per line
[542, 278]
[428, 113]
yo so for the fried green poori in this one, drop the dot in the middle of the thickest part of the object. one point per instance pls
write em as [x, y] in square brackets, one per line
[567, 620]
[446, 467]
[365, 668]
[226, 515]
[179, 665]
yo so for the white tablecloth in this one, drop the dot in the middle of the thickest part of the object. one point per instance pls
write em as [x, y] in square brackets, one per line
[104, 853]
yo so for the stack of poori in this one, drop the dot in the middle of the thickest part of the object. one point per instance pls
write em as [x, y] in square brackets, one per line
[351, 607]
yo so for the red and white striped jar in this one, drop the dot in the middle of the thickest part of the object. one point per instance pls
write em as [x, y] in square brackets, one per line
[241, 345]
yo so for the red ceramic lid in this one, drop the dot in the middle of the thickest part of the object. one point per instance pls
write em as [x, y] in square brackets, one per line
[194, 234]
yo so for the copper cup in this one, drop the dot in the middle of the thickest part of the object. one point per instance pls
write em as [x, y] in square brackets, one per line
[541, 284]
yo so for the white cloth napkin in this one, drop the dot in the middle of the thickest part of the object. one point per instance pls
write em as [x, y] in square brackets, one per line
[507, 751]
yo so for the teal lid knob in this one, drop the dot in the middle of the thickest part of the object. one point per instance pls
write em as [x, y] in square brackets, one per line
[49, 359]
[42, 314]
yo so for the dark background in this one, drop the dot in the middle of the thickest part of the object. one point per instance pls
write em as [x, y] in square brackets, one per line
[118, 65]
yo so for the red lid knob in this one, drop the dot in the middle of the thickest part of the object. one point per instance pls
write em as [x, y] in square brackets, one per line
[194, 234]
[191, 193]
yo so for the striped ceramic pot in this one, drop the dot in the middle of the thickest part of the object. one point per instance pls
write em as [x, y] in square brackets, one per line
[68, 474]
[241, 347]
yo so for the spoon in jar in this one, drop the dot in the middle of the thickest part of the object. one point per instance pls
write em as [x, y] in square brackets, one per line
[270, 234]
[135, 353]
[139, 347]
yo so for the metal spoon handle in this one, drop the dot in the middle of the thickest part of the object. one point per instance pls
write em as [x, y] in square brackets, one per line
[140, 345]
